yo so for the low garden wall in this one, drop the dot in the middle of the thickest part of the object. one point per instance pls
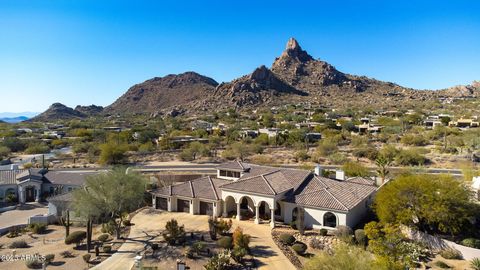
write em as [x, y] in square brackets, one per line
[43, 219]
[436, 243]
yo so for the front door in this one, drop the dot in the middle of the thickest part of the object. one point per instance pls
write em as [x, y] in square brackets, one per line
[30, 194]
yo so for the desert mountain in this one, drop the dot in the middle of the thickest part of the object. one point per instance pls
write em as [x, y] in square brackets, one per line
[58, 111]
[90, 110]
[161, 93]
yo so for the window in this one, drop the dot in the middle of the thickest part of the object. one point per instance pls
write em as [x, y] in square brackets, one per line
[329, 220]
[229, 174]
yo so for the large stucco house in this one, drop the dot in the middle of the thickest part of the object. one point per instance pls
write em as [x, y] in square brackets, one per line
[32, 185]
[271, 194]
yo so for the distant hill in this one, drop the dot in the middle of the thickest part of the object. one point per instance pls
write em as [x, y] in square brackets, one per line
[58, 111]
[13, 120]
[165, 93]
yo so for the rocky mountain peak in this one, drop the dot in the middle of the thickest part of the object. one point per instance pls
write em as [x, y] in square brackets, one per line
[295, 52]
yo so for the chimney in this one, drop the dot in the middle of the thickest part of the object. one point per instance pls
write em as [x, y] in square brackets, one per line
[339, 175]
[318, 170]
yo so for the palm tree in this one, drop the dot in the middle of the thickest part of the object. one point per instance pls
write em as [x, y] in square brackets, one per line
[382, 163]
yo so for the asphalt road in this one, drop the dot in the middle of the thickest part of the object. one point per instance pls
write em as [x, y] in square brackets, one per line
[210, 168]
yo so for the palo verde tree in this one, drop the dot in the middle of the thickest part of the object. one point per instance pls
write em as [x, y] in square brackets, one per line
[110, 196]
[431, 203]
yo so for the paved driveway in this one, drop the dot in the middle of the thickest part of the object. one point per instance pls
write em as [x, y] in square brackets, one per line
[21, 214]
[148, 224]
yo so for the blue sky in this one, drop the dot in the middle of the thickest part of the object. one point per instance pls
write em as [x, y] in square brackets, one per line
[91, 52]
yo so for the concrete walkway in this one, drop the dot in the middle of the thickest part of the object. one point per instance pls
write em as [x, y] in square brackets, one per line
[20, 215]
[149, 223]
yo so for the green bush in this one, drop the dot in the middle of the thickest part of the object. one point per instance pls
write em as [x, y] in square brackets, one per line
[19, 244]
[37, 228]
[286, 239]
[451, 254]
[107, 249]
[127, 223]
[323, 232]
[103, 237]
[49, 258]
[67, 254]
[471, 242]
[475, 263]
[238, 253]
[360, 237]
[299, 248]
[199, 246]
[442, 265]
[33, 263]
[225, 242]
[410, 157]
[174, 234]
[75, 237]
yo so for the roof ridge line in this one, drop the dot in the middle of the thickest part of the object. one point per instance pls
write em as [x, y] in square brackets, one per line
[346, 208]
[213, 187]
[191, 188]
[268, 184]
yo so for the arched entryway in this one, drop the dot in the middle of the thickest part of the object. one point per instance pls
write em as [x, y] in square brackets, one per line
[247, 207]
[330, 220]
[230, 207]
[264, 211]
[30, 194]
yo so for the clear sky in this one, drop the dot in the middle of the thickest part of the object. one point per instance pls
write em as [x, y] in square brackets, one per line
[91, 52]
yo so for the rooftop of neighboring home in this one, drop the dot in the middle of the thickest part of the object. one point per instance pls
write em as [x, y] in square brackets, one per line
[73, 178]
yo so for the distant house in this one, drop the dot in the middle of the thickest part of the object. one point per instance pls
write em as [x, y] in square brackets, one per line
[369, 128]
[313, 136]
[271, 132]
[248, 133]
[271, 194]
[464, 123]
[31, 185]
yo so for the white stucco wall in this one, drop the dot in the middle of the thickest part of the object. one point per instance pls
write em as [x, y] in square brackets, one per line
[313, 216]
[257, 199]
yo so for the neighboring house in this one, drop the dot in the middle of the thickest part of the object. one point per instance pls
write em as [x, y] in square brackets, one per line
[432, 122]
[476, 187]
[264, 193]
[271, 132]
[464, 123]
[31, 185]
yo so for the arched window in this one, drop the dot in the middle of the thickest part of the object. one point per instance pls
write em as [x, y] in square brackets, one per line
[329, 220]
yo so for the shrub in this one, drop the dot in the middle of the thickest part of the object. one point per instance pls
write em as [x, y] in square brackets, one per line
[323, 232]
[67, 254]
[299, 248]
[86, 257]
[240, 240]
[223, 226]
[471, 242]
[108, 227]
[354, 169]
[75, 237]
[410, 157]
[49, 258]
[175, 234]
[107, 249]
[286, 239]
[344, 233]
[13, 232]
[451, 254]
[315, 243]
[475, 263]
[18, 244]
[199, 246]
[360, 237]
[442, 265]
[37, 228]
[225, 242]
[238, 253]
[103, 237]
[189, 252]
[220, 261]
[33, 263]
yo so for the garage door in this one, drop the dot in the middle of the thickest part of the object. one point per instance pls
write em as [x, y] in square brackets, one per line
[162, 203]
[183, 206]
[206, 208]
